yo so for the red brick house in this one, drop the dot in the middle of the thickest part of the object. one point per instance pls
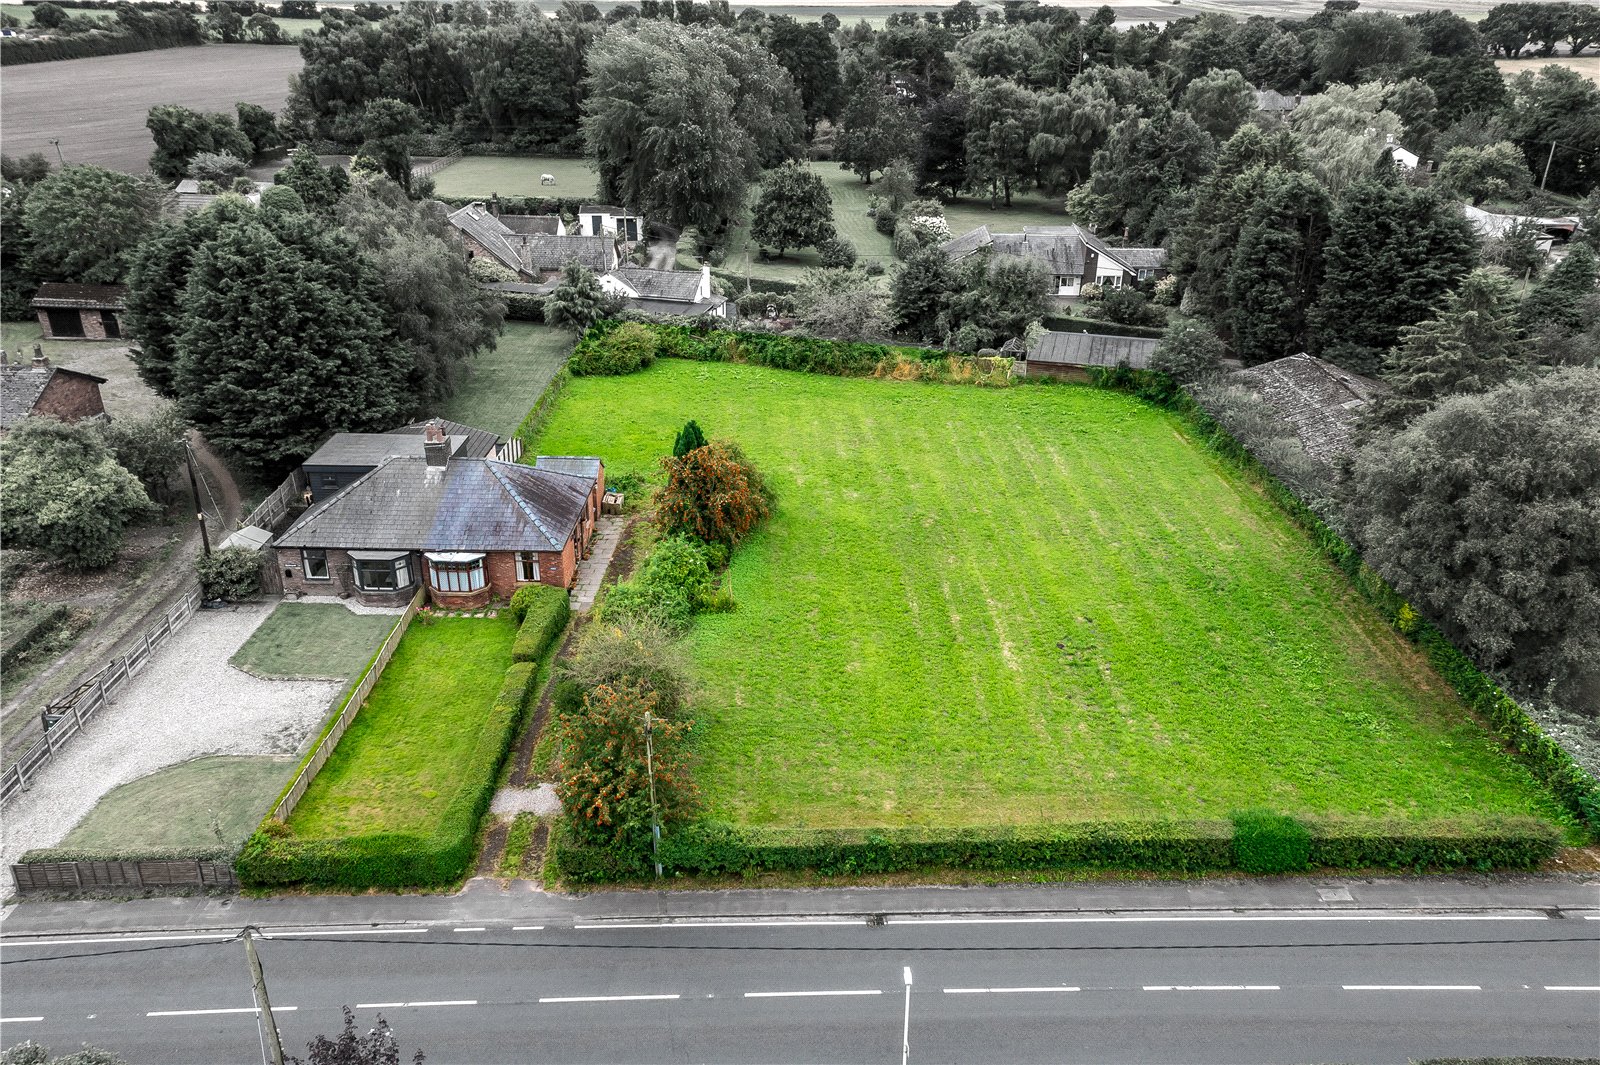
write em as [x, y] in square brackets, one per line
[80, 312]
[469, 528]
[39, 388]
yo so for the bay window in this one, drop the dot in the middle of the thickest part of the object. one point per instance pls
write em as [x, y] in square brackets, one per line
[381, 571]
[455, 571]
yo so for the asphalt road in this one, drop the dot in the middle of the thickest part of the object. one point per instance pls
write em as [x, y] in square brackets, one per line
[1191, 986]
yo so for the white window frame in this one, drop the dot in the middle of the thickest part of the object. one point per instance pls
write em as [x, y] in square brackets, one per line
[399, 565]
[528, 562]
[457, 572]
[306, 554]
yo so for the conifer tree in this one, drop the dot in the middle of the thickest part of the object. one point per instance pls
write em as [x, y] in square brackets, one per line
[689, 438]
[1276, 268]
[921, 287]
[577, 301]
[1557, 300]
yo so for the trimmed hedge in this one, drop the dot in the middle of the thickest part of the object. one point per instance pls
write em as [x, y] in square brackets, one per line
[541, 615]
[273, 857]
[44, 855]
[715, 849]
[15, 51]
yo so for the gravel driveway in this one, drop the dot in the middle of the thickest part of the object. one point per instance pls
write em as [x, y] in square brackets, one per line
[186, 702]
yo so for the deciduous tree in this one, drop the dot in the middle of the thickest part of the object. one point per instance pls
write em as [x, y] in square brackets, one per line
[63, 493]
[84, 223]
[1219, 101]
[795, 210]
[844, 304]
[181, 134]
[1499, 171]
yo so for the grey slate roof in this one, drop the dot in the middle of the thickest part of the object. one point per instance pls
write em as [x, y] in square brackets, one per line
[90, 297]
[543, 288]
[476, 443]
[1092, 349]
[369, 449]
[1060, 248]
[468, 505]
[660, 284]
[577, 465]
[21, 387]
[552, 253]
[713, 305]
[476, 222]
[604, 208]
[1319, 400]
[531, 224]
[1272, 100]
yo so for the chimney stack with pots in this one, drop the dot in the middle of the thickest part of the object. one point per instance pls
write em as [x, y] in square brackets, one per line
[40, 359]
[435, 445]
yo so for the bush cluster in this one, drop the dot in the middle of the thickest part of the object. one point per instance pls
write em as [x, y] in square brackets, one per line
[626, 348]
[522, 306]
[274, 857]
[673, 585]
[232, 574]
[713, 494]
[541, 612]
[1265, 842]
[565, 206]
[715, 849]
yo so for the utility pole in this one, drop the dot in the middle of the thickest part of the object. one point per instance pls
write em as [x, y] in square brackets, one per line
[59, 158]
[258, 985]
[650, 768]
[194, 488]
[1548, 160]
[905, 1033]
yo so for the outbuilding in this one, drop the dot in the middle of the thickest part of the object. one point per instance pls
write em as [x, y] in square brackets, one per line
[80, 312]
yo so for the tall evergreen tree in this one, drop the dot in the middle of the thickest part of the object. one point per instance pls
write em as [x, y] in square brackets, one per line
[1147, 168]
[1557, 300]
[577, 301]
[1392, 253]
[1276, 269]
[1472, 345]
[1002, 119]
[921, 286]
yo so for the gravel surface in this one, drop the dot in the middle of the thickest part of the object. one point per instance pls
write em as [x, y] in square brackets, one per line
[186, 702]
[541, 800]
[350, 605]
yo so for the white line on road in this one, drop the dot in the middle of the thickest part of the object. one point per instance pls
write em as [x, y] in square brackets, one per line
[1571, 987]
[796, 923]
[527, 928]
[1412, 987]
[1330, 915]
[208, 1013]
[477, 929]
[1003, 990]
[807, 994]
[379, 1005]
[610, 998]
[69, 941]
[1212, 987]
[19, 1020]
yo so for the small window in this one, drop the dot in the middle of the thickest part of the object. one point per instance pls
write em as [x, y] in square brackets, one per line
[316, 564]
[528, 566]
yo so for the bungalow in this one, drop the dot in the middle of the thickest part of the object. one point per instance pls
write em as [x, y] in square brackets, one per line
[1074, 256]
[39, 388]
[1549, 230]
[469, 528]
[187, 197]
[682, 292]
[600, 219]
[80, 312]
[535, 249]
[347, 456]
[1321, 402]
[1272, 102]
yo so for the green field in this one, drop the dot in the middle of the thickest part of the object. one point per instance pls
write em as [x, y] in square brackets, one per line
[504, 383]
[1044, 603]
[206, 802]
[399, 763]
[312, 641]
[485, 175]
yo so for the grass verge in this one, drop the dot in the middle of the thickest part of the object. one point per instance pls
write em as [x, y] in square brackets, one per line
[312, 641]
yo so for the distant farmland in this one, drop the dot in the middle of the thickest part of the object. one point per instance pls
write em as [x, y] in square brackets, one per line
[97, 107]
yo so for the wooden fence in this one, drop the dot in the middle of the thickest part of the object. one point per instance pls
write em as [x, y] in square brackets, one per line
[69, 717]
[423, 170]
[275, 506]
[352, 706]
[77, 877]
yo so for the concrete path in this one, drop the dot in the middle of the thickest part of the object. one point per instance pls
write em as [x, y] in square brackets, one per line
[592, 570]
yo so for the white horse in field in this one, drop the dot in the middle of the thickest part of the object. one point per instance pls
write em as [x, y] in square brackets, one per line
[547, 179]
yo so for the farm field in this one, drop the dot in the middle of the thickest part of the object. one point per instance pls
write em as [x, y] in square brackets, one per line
[485, 175]
[398, 764]
[503, 384]
[1587, 65]
[1044, 603]
[97, 107]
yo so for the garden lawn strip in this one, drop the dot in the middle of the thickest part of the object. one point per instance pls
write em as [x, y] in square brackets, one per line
[502, 384]
[1039, 604]
[483, 176]
[398, 765]
[312, 641]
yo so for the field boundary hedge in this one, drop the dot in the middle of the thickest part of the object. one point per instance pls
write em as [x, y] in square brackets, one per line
[1577, 790]
[539, 413]
[274, 857]
[545, 610]
[1198, 846]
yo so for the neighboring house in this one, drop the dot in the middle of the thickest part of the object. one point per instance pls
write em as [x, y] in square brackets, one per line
[80, 312]
[468, 528]
[39, 388]
[1404, 158]
[1320, 401]
[532, 250]
[1074, 256]
[603, 220]
[685, 292]
[1272, 102]
[1062, 354]
[348, 456]
[1488, 224]
[187, 197]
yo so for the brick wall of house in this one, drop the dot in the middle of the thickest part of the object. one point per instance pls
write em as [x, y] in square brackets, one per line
[341, 579]
[93, 326]
[70, 398]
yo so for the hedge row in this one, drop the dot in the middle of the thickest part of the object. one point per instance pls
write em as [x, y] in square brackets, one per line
[566, 206]
[1576, 788]
[533, 421]
[704, 343]
[44, 855]
[541, 611]
[15, 51]
[714, 849]
[273, 857]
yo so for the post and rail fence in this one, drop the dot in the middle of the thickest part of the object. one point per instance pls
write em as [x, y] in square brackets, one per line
[67, 717]
[428, 169]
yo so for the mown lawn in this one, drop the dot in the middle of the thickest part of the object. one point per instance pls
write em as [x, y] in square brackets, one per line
[399, 763]
[312, 641]
[205, 802]
[503, 384]
[1035, 604]
[485, 175]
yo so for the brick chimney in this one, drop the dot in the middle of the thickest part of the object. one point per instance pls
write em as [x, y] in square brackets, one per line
[435, 446]
[40, 359]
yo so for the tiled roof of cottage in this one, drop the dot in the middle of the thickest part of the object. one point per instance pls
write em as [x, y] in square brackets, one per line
[1272, 100]
[531, 224]
[476, 222]
[552, 253]
[476, 443]
[1060, 248]
[686, 310]
[89, 297]
[575, 465]
[1319, 400]
[467, 505]
[1092, 349]
[369, 449]
[21, 387]
[660, 284]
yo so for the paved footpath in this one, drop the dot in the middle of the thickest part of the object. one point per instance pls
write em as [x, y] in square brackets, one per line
[592, 570]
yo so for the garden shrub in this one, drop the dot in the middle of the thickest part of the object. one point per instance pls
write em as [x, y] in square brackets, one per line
[629, 651]
[714, 494]
[1485, 843]
[837, 253]
[628, 348]
[1265, 842]
[541, 614]
[274, 856]
[755, 304]
[522, 306]
[232, 574]
[884, 221]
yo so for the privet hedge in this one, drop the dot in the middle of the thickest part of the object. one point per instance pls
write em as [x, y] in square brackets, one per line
[541, 611]
[1257, 842]
[274, 857]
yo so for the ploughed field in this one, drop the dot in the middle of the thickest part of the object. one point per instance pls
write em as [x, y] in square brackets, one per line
[1046, 603]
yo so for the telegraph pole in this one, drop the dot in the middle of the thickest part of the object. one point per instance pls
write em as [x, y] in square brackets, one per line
[258, 985]
[194, 489]
[1548, 160]
[650, 768]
